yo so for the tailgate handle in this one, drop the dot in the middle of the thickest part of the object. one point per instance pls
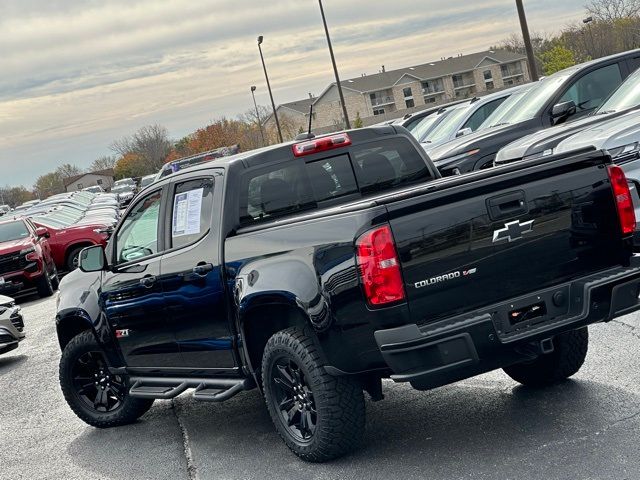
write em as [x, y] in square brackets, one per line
[507, 205]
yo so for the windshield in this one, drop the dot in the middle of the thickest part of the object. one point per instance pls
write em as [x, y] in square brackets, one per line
[448, 127]
[524, 105]
[626, 96]
[124, 181]
[122, 189]
[13, 231]
[427, 124]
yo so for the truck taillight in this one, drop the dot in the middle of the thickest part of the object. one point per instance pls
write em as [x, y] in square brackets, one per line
[321, 144]
[379, 267]
[624, 203]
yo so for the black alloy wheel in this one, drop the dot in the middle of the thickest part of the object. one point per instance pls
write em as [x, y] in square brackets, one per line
[294, 398]
[95, 386]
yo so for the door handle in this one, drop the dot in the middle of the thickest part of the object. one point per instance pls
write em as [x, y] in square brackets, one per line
[203, 269]
[148, 281]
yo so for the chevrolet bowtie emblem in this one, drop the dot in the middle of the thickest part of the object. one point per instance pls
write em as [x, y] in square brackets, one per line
[512, 231]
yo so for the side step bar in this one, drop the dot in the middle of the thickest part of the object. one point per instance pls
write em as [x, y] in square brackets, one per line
[206, 389]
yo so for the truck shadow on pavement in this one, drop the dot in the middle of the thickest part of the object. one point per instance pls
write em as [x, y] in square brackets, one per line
[8, 362]
[474, 428]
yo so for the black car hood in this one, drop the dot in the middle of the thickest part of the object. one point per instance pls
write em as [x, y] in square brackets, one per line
[468, 142]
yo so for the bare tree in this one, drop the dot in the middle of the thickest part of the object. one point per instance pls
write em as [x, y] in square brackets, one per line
[103, 163]
[611, 10]
[67, 171]
[151, 143]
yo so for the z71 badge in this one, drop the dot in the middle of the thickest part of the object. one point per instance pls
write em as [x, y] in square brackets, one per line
[445, 278]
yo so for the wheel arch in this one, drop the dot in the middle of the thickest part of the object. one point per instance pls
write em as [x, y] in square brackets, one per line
[76, 244]
[71, 324]
[262, 320]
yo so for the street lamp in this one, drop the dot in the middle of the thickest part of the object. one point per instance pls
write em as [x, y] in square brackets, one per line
[527, 41]
[335, 69]
[273, 104]
[253, 89]
[588, 21]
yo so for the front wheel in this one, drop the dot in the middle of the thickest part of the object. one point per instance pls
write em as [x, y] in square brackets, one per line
[320, 417]
[96, 396]
[44, 285]
[569, 353]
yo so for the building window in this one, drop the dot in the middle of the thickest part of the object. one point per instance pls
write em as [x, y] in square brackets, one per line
[407, 92]
[489, 85]
[432, 86]
[80, 186]
[511, 69]
[410, 103]
[378, 111]
[430, 100]
[99, 181]
[488, 76]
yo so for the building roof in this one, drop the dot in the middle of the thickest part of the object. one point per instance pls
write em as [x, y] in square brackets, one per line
[425, 71]
[103, 173]
[301, 106]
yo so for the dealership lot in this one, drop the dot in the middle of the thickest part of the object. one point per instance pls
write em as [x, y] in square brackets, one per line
[486, 427]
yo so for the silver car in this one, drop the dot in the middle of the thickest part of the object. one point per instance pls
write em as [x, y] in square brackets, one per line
[11, 324]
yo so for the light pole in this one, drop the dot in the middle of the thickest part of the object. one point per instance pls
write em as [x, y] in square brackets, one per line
[587, 21]
[273, 104]
[253, 89]
[533, 69]
[335, 69]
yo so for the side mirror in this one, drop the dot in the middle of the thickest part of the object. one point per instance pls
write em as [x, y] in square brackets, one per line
[92, 259]
[42, 232]
[464, 131]
[563, 110]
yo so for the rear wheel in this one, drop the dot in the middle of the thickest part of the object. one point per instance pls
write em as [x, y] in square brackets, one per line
[73, 258]
[320, 417]
[569, 353]
[96, 396]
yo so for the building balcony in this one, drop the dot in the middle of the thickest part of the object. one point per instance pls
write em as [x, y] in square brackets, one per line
[461, 86]
[429, 92]
[379, 101]
[512, 75]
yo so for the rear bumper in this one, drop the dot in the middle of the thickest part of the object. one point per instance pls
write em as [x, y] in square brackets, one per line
[464, 346]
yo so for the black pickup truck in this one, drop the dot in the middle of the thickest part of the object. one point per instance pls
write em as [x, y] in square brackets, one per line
[314, 270]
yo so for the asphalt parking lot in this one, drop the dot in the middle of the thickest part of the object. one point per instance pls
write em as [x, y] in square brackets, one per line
[483, 428]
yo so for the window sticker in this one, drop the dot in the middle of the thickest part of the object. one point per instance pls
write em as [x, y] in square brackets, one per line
[187, 208]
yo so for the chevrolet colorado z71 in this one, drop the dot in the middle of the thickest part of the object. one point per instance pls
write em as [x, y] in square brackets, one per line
[314, 270]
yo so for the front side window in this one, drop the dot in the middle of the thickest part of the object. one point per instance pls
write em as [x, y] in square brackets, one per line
[592, 89]
[138, 236]
[191, 212]
[480, 115]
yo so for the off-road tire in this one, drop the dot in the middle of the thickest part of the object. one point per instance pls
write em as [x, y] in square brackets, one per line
[129, 410]
[44, 285]
[570, 351]
[339, 401]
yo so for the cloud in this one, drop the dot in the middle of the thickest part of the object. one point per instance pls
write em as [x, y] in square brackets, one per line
[77, 75]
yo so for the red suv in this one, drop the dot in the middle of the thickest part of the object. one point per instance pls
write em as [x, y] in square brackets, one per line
[25, 258]
[67, 242]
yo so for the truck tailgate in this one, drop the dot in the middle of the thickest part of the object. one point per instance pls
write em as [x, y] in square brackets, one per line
[474, 243]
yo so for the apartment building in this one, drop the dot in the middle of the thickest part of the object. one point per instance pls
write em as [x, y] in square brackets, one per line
[390, 94]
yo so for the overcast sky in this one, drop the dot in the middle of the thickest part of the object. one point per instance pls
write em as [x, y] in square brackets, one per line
[75, 75]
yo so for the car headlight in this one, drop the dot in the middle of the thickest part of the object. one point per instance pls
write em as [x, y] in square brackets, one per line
[457, 158]
[625, 151]
[27, 251]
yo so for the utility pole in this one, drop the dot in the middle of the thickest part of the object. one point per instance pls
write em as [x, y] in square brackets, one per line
[253, 89]
[533, 69]
[273, 104]
[335, 69]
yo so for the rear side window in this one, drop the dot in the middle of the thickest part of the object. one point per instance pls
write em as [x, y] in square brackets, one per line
[192, 210]
[591, 90]
[295, 186]
[386, 164]
[275, 192]
[332, 178]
